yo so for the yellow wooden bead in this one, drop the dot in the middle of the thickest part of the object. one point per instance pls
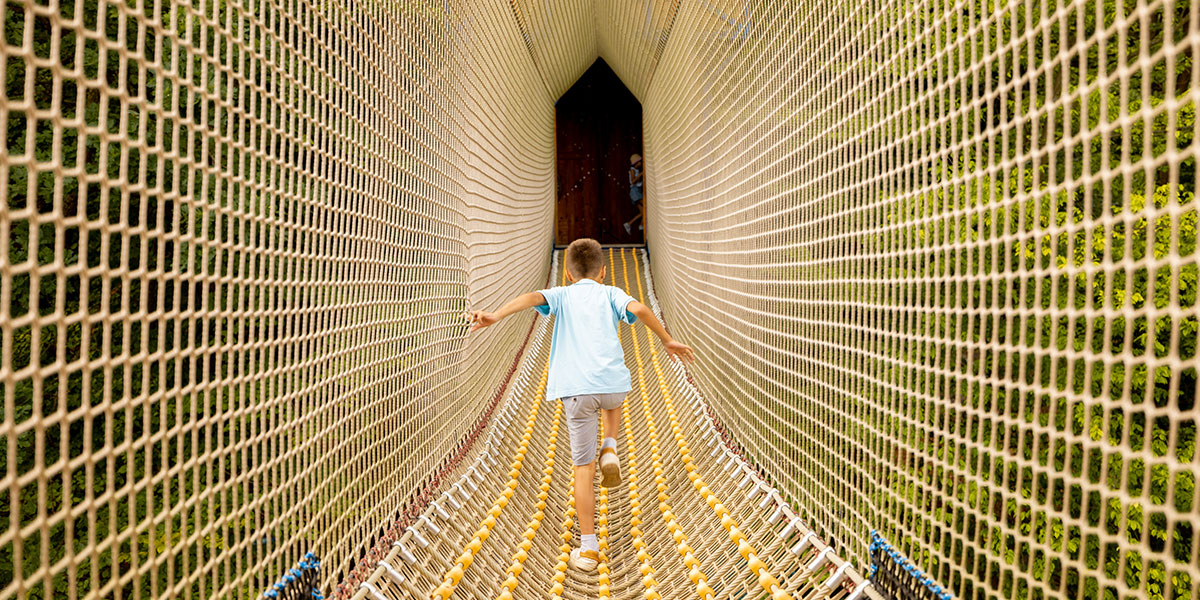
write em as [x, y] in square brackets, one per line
[735, 534]
[454, 575]
[766, 580]
[756, 564]
[727, 522]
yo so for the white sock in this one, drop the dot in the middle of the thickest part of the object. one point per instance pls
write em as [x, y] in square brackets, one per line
[609, 443]
[588, 542]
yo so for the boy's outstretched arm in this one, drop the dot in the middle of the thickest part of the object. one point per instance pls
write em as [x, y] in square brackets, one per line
[480, 318]
[674, 348]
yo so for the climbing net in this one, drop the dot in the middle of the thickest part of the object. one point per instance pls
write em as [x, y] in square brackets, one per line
[944, 257]
[241, 239]
[940, 260]
[693, 517]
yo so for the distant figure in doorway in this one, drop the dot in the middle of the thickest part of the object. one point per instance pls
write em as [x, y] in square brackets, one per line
[635, 192]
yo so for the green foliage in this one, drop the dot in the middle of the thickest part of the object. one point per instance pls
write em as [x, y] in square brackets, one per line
[1094, 266]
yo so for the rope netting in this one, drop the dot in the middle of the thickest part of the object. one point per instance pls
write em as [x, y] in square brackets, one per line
[938, 260]
[241, 239]
[692, 519]
[944, 258]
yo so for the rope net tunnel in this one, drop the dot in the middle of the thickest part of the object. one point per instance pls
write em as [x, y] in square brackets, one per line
[938, 261]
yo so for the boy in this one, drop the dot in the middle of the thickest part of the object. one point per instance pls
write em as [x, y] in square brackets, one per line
[587, 371]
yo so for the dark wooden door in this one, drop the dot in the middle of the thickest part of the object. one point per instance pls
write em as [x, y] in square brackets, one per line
[599, 124]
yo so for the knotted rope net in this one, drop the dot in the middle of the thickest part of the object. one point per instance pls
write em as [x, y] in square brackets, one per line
[939, 260]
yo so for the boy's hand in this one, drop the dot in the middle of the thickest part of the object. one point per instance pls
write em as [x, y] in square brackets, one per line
[480, 319]
[680, 351]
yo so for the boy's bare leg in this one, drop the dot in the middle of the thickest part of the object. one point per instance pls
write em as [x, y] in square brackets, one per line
[610, 465]
[612, 423]
[585, 498]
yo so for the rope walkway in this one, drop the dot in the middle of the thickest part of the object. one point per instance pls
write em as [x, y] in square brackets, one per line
[720, 531]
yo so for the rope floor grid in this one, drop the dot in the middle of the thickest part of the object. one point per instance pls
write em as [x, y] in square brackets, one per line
[690, 519]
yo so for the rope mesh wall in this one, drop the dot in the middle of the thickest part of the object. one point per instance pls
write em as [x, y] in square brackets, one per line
[564, 38]
[241, 238]
[943, 261]
[939, 261]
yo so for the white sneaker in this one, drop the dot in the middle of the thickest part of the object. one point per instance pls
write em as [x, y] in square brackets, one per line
[610, 468]
[585, 560]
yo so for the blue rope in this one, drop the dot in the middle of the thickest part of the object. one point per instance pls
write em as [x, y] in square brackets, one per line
[880, 547]
[299, 583]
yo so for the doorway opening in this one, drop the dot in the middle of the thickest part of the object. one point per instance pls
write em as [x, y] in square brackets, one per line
[598, 125]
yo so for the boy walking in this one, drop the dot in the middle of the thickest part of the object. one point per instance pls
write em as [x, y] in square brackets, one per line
[587, 371]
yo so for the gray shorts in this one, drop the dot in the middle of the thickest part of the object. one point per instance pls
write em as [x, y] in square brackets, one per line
[582, 412]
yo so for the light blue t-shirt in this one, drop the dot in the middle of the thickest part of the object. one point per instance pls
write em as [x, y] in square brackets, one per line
[585, 351]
